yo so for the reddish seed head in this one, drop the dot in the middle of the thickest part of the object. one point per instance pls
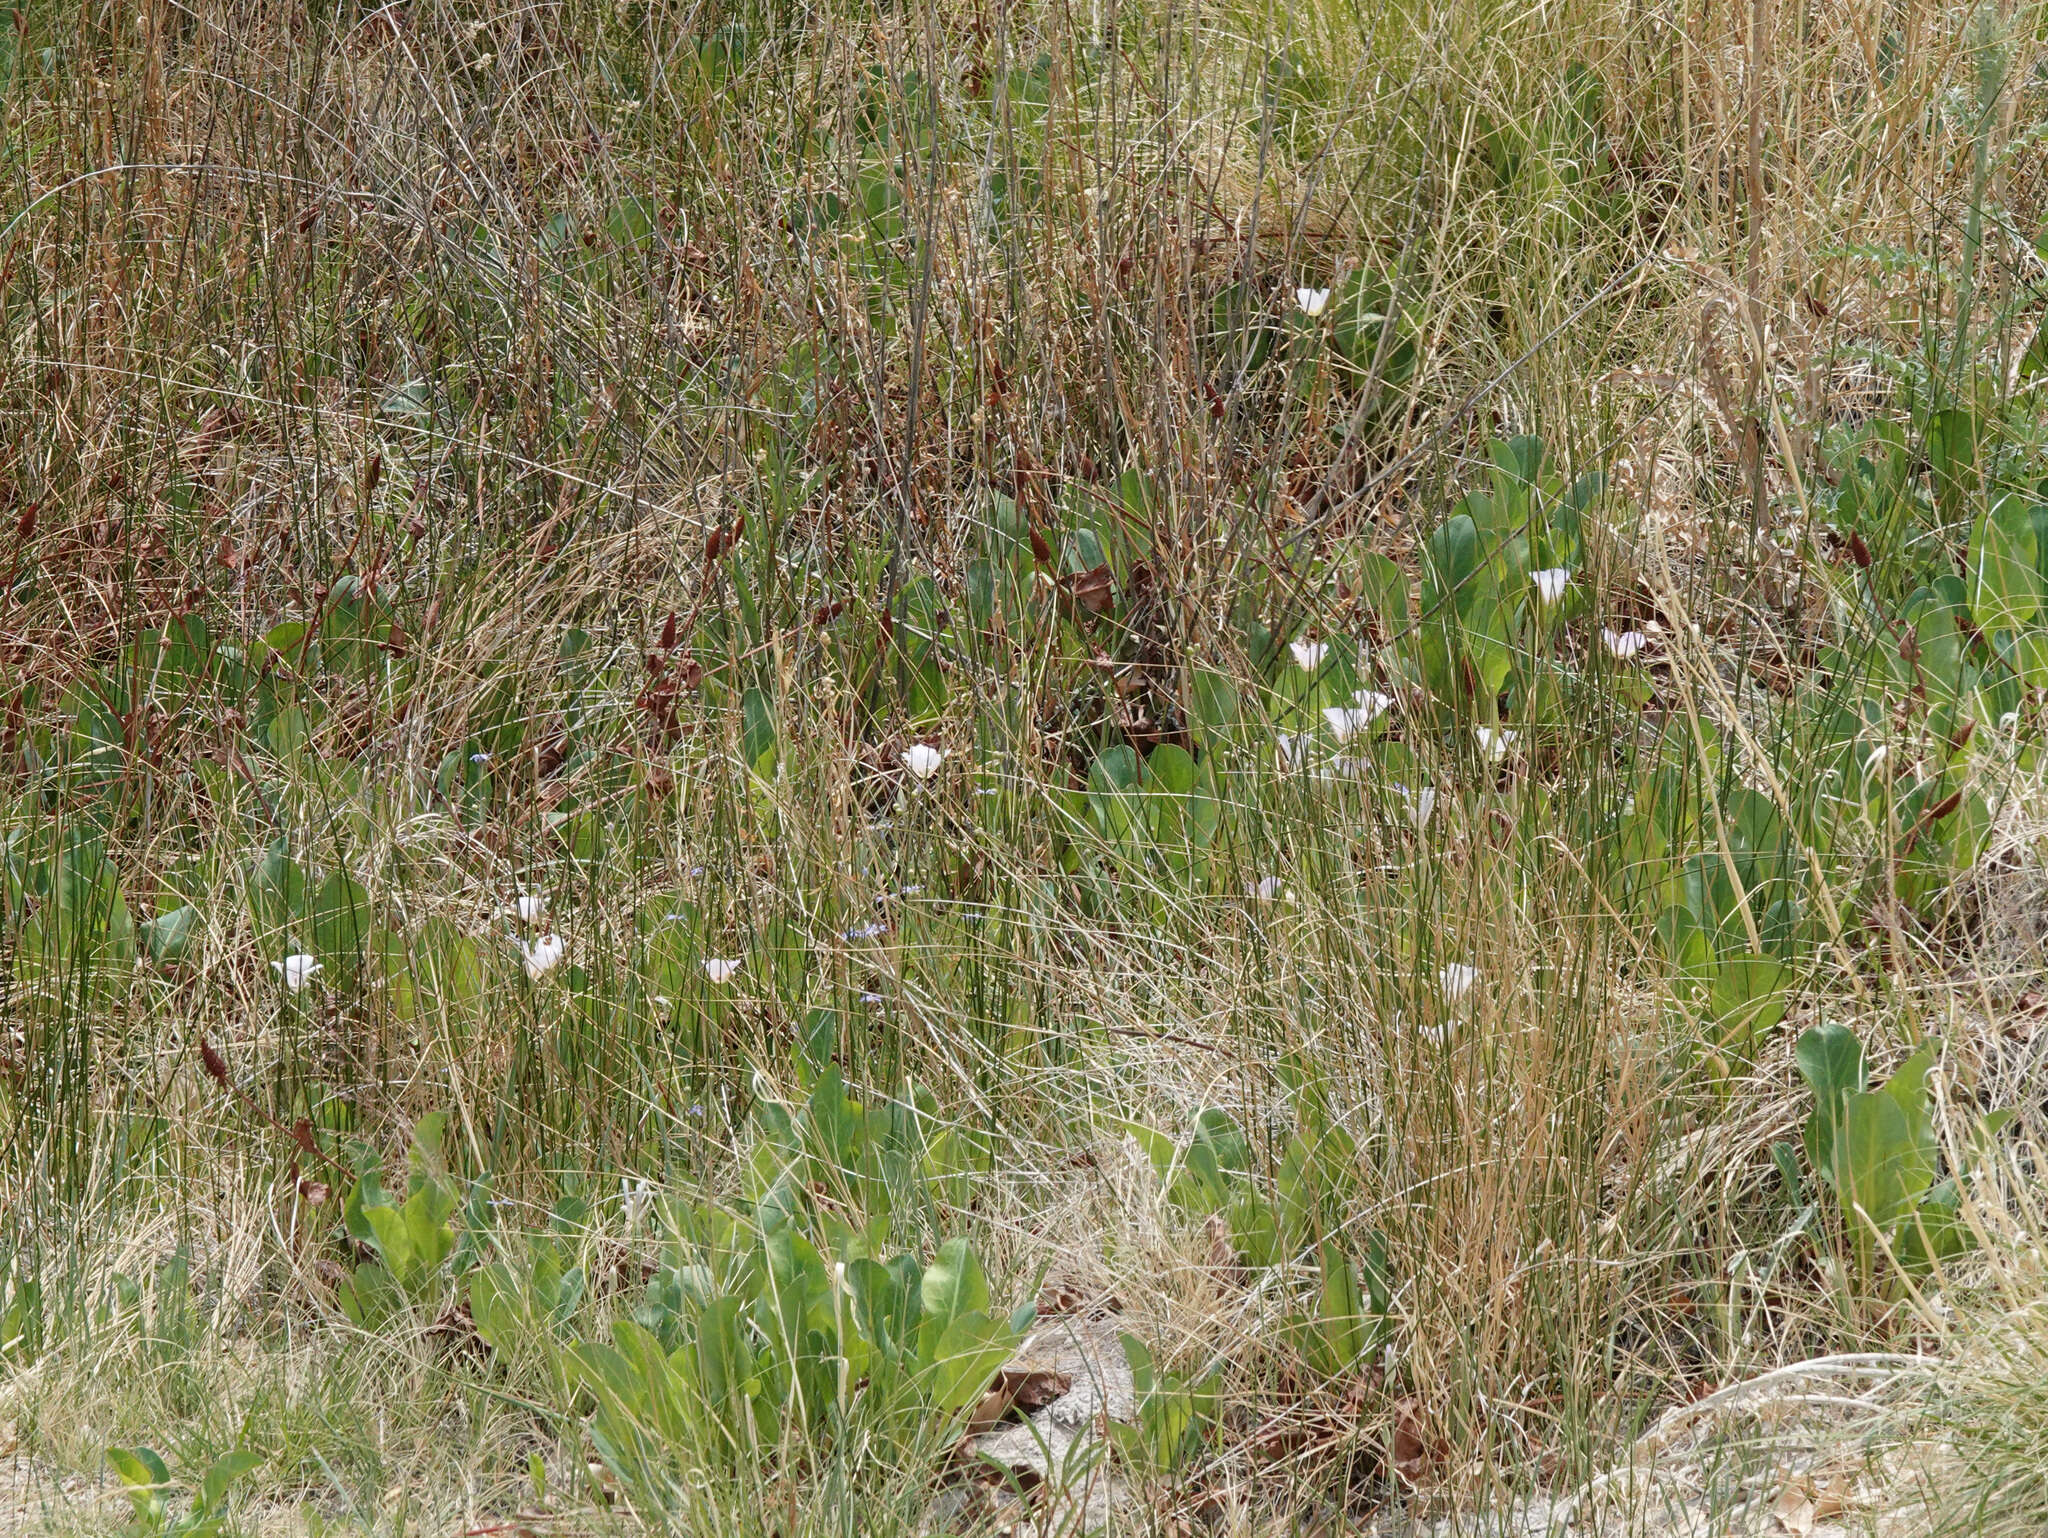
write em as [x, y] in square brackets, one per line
[216, 1065]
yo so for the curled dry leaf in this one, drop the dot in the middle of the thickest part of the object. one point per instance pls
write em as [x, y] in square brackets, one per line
[1419, 1454]
[1057, 1299]
[1222, 1259]
[1017, 1391]
[1093, 590]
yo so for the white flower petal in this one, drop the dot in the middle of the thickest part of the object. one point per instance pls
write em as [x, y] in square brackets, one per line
[1308, 655]
[1421, 803]
[1312, 300]
[722, 971]
[297, 971]
[1456, 980]
[1623, 644]
[530, 906]
[1343, 721]
[542, 955]
[923, 760]
[1494, 741]
[1550, 582]
[637, 1196]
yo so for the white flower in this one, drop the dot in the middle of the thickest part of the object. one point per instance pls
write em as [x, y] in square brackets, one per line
[1494, 741]
[1308, 655]
[637, 1196]
[542, 956]
[1420, 804]
[1456, 980]
[530, 906]
[297, 971]
[1290, 750]
[1346, 720]
[1550, 582]
[1265, 889]
[923, 760]
[1623, 644]
[721, 972]
[1311, 300]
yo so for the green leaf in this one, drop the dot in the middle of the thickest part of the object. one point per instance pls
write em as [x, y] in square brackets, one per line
[392, 1237]
[2034, 361]
[1214, 702]
[723, 1364]
[1877, 1167]
[340, 922]
[1748, 998]
[2005, 581]
[173, 937]
[1170, 769]
[1384, 587]
[1831, 1060]
[964, 1357]
[225, 1470]
[880, 1313]
[285, 637]
[630, 222]
[1953, 436]
[835, 1122]
[1451, 561]
[1908, 1089]
[139, 1467]
[496, 1305]
[427, 1227]
[1340, 1311]
[1786, 1159]
[953, 1286]
[757, 731]
[1139, 1360]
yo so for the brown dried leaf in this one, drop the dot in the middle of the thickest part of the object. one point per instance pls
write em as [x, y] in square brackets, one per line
[1417, 1455]
[1222, 1259]
[1093, 590]
[1793, 1510]
[1020, 1390]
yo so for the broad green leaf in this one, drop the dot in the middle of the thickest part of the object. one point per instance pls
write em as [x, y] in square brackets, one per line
[340, 922]
[1340, 1311]
[138, 1467]
[1214, 701]
[964, 1357]
[1385, 588]
[1878, 1168]
[173, 937]
[1169, 769]
[2005, 581]
[952, 1286]
[1830, 1059]
[427, 1227]
[1748, 998]
[224, 1471]
[758, 745]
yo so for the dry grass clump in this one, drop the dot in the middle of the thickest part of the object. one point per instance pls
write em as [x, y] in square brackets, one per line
[661, 380]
